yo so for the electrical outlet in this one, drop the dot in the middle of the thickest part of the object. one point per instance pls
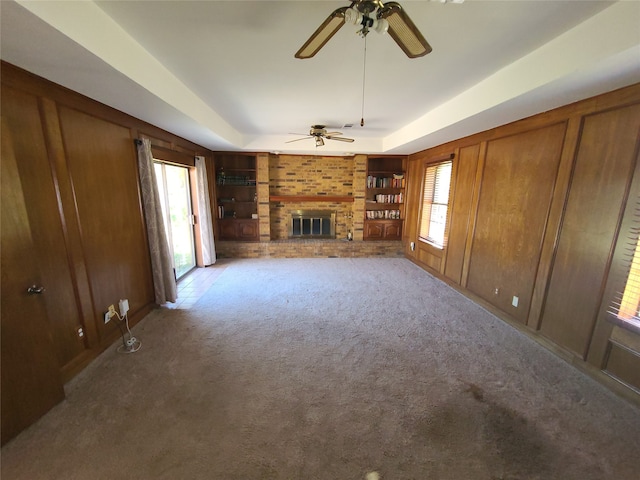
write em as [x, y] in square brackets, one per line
[514, 301]
[124, 307]
[111, 312]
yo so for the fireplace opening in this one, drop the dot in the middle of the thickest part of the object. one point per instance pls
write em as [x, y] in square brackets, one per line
[312, 224]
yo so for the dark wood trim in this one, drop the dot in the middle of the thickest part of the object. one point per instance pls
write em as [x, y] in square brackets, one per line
[172, 156]
[473, 213]
[554, 220]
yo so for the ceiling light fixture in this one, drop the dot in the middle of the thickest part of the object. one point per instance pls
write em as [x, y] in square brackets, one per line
[371, 15]
[318, 133]
[355, 17]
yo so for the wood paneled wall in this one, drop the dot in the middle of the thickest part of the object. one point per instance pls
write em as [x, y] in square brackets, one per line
[78, 168]
[535, 214]
[605, 160]
[515, 196]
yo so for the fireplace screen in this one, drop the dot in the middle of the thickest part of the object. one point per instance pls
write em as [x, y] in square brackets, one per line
[312, 224]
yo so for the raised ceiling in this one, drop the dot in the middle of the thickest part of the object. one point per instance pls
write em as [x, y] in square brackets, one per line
[223, 73]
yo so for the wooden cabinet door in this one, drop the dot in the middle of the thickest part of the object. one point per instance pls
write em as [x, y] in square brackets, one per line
[373, 231]
[227, 229]
[247, 230]
[393, 231]
[238, 229]
[383, 230]
[31, 383]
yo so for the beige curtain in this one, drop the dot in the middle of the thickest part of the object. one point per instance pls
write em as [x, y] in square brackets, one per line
[164, 281]
[204, 210]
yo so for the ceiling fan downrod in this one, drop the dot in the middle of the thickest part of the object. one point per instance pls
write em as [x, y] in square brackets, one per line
[364, 76]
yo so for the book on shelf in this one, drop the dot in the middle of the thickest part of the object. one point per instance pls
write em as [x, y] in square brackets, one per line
[394, 198]
[222, 213]
[382, 214]
[397, 181]
[235, 180]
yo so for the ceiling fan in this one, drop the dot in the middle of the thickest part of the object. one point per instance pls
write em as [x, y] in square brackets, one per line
[318, 133]
[371, 15]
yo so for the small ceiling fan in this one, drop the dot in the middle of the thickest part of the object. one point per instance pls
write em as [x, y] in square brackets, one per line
[318, 133]
[371, 15]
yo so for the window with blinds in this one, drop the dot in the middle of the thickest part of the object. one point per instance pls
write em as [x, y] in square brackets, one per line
[626, 301]
[435, 203]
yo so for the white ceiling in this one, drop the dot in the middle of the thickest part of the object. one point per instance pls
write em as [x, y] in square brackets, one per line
[223, 74]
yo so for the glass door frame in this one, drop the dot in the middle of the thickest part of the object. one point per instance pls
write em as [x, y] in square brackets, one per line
[191, 215]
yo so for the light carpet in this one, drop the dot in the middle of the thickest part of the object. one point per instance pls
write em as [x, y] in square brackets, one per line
[331, 369]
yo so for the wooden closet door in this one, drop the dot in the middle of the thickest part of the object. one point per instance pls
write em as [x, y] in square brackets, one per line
[51, 206]
[31, 382]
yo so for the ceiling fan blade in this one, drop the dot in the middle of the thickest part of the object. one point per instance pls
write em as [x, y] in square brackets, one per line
[298, 139]
[340, 139]
[323, 34]
[404, 31]
[333, 133]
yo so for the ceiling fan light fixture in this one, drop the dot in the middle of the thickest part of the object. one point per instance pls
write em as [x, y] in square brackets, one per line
[370, 15]
[354, 17]
[381, 26]
[318, 133]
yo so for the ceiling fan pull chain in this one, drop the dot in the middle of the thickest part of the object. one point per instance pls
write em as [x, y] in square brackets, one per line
[364, 76]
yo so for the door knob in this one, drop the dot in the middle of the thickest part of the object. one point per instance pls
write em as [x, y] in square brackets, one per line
[35, 290]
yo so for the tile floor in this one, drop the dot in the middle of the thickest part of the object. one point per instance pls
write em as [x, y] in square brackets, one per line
[194, 284]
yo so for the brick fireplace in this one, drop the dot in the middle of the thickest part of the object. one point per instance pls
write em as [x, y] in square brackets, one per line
[318, 184]
[288, 184]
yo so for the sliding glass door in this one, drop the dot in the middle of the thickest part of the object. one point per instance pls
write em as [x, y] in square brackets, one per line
[175, 194]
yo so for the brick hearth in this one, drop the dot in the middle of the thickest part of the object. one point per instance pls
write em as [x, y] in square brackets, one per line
[309, 248]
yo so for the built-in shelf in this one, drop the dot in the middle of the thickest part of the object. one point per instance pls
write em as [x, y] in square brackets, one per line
[384, 198]
[237, 197]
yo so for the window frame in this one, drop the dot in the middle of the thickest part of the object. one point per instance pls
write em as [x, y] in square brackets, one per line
[624, 304]
[431, 181]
